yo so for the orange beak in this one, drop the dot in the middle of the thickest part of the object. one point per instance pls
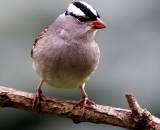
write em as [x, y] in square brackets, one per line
[98, 24]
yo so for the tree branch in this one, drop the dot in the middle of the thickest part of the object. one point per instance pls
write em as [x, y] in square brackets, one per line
[136, 119]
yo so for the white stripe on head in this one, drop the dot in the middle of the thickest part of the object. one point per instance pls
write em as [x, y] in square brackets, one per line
[89, 7]
[75, 10]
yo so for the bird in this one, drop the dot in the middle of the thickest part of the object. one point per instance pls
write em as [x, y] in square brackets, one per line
[66, 54]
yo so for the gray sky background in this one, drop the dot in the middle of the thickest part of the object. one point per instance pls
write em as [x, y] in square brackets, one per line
[130, 58]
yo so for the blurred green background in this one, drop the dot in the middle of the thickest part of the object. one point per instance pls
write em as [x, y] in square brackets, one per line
[130, 58]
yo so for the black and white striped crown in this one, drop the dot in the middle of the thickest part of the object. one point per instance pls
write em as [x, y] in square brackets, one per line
[82, 11]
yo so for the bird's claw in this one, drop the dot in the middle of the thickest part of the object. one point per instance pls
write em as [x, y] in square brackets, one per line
[84, 101]
[37, 100]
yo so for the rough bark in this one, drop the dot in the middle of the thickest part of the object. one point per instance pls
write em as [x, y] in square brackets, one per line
[135, 119]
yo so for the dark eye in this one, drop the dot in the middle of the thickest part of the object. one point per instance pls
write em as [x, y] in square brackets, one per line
[81, 19]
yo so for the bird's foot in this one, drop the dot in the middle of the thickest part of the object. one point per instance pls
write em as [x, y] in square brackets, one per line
[37, 100]
[84, 101]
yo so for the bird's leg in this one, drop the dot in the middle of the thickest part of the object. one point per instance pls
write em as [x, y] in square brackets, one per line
[84, 99]
[38, 97]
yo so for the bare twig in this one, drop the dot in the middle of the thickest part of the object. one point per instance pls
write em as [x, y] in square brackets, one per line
[95, 114]
[141, 118]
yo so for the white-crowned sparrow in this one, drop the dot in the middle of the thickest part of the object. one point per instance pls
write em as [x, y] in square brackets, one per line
[66, 54]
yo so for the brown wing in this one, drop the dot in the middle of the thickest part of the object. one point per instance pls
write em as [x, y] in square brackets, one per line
[37, 39]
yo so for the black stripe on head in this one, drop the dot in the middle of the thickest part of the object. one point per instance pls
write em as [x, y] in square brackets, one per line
[89, 14]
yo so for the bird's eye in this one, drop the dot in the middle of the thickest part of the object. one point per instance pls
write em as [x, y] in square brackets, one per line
[81, 19]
